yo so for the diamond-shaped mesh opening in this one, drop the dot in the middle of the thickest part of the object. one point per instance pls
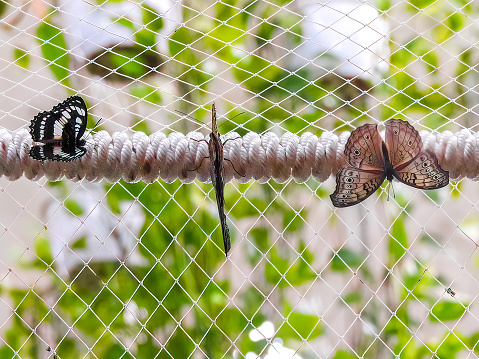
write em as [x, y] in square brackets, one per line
[135, 268]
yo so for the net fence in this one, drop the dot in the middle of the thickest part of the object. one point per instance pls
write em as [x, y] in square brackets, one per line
[116, 266]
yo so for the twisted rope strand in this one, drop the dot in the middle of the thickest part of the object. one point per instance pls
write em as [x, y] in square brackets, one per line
[147, 158]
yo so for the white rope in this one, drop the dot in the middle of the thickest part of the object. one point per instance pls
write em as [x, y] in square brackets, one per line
[147, 158]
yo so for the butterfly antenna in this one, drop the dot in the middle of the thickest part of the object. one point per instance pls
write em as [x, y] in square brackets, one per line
[238, 114]
[190, 117]
[231, 119]
[194, 119]
[96, 124]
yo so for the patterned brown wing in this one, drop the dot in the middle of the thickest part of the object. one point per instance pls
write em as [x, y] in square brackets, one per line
[423, 172]
[363, 149]
[402, 141]
[354, 185]
[217, 170]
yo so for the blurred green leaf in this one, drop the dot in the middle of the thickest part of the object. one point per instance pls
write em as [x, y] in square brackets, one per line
[225, 34]
[300, 326]
[456, 189]
[280, 271]
[434, 195]
[21, 58]
[141, 126]
[397, 242]
[127, 62]
[73, 206]
[447, 310]
[265, 32]
[126, 22]
[152, 20]
[79, 243]
[345, 260]
[293, 221]
[6, 351]
[260, 238]
[420, 4]
[147, 93]
[302, 271]
[145, 38]
[442, 33]
[455, 21]
[383, 5]
[54, 50]
[276, 269]
[450, 347]
[3, 7]
[352, 298]
[179, 40]
[42, 250]
[122, 191]
[246, 208]
[343, 354]
[257, 74]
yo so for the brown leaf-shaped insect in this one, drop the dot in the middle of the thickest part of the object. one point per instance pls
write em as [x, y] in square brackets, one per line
[217, 175]
[371, 161]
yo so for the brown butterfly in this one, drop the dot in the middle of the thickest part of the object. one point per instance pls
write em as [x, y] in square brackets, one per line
[217, 174]
[371, 161]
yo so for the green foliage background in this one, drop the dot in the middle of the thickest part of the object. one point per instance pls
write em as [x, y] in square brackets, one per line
[184, 286]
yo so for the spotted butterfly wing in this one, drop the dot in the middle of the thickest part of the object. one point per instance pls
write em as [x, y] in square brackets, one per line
[354, 185]
[403, 142]
[60, 131]
[411, 165]
[364, 173]
[364, 148]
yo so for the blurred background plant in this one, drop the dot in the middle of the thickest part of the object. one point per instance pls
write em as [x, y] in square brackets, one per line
[135, 270]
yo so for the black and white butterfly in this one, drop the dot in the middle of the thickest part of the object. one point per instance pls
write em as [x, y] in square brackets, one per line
[60, 131]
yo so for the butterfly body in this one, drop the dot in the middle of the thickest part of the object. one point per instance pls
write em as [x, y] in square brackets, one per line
[217, 170]
[60, 131]
[388, 167]
[372, 160]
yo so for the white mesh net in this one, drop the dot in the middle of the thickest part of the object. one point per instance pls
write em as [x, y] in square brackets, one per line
[93, 269]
